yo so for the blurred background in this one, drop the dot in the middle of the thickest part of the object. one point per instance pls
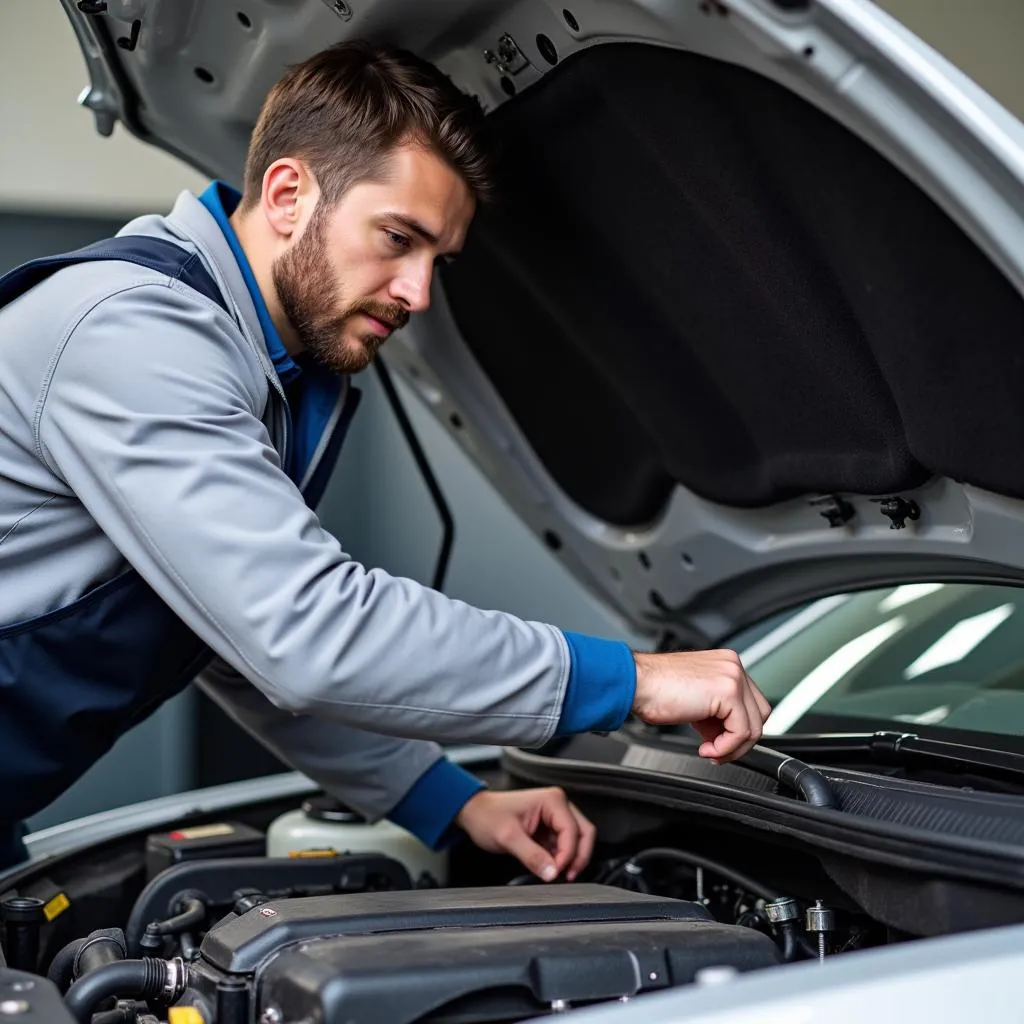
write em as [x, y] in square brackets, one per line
[63, 185]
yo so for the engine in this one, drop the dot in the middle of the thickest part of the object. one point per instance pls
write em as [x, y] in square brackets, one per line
[344, 923]
[448, 955]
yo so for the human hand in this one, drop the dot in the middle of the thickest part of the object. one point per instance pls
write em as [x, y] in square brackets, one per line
[709, 690]
[538, 826]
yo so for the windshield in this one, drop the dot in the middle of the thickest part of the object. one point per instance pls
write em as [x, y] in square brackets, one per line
[929, 654]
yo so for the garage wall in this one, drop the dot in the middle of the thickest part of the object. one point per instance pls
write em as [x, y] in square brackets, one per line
[981, 37]
[52, 159]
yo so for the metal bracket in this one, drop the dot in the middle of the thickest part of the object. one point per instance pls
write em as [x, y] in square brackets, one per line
[342, 9]
[507, 57]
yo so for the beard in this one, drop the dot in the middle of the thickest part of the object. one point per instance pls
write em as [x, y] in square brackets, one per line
[315, 307]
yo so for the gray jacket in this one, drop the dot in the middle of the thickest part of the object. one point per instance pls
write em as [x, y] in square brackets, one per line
[138, 432]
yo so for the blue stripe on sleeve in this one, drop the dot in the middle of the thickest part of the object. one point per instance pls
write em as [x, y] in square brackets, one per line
[602, 684]
[429, 808]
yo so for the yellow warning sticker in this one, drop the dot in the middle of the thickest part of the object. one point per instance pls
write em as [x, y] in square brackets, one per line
[56, 906]
[324, 852]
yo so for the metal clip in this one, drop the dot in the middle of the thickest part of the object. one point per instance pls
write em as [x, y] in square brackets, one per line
[507, 57]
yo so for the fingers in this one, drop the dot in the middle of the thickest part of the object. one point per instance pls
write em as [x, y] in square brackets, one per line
[551, 813]
[516, 841]
[585, 849]
[762, 703]
[708, 729]
[556, 813]
[741, 717]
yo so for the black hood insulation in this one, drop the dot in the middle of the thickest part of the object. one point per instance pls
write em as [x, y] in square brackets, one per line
[694, 275]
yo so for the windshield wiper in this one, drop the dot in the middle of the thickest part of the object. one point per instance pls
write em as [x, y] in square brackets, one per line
[905, 750]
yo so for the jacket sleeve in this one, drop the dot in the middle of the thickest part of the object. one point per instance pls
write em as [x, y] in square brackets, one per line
[409, 781]
[152, 416]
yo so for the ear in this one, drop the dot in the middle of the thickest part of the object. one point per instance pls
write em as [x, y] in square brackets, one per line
[289, 196]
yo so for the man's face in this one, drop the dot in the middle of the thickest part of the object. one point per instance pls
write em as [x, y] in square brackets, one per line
[361, 267]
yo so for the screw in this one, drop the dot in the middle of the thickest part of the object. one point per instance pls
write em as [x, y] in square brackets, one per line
[820, 921]
[818, 905]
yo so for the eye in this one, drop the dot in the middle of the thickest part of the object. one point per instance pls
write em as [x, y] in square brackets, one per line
[397, 240]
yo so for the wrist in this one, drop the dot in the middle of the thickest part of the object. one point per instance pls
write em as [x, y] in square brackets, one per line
[469, 809]
[643, 671]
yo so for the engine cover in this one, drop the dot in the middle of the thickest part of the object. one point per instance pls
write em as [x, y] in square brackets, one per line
[454, 955]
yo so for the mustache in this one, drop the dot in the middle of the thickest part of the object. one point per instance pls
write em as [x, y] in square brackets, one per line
[387, 312]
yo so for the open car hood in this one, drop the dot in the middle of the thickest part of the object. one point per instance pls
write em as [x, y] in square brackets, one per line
[746, 326]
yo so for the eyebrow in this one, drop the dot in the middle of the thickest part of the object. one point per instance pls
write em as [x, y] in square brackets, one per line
[414, 226]
[418, 229]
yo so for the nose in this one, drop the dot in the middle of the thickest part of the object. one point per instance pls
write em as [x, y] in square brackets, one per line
[411, 287]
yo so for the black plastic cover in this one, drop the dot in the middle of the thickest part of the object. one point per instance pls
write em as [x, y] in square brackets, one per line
[217, 881]
[31, 999]
[496, 972]
[202, 842]
[240, 945]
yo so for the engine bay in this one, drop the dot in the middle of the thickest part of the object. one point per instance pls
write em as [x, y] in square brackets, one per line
[298, 910]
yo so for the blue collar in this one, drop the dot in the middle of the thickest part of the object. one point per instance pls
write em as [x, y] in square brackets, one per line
[221, 200]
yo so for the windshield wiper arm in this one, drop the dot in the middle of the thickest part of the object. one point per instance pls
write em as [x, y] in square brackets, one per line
[906, 750]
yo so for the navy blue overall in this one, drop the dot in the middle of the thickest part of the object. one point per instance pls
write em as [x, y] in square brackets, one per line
[73, 680]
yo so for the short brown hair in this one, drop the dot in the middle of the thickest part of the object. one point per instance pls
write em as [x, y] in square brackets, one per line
[343, 109]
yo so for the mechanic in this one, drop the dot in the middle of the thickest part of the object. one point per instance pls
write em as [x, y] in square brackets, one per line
[172, 402]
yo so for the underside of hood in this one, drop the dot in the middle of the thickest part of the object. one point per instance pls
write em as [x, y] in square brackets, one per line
[745, 325]
[698, 278]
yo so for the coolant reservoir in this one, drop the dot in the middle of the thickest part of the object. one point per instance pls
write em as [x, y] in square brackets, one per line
[323, 823]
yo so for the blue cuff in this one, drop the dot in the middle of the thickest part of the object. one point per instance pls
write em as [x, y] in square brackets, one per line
[429, 808]
[602, 684]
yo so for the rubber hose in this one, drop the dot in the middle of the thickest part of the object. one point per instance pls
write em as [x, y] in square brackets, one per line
[80, 956]
[795, 942]
[809, 783]
[139, 978]
[63, 963]
[193, 912]
[101, 947]
[690, 860]
[121, 1015]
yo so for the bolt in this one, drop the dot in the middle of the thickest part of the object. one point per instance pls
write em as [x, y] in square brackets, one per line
[818, 905]
[780, 911]
[820, 920]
